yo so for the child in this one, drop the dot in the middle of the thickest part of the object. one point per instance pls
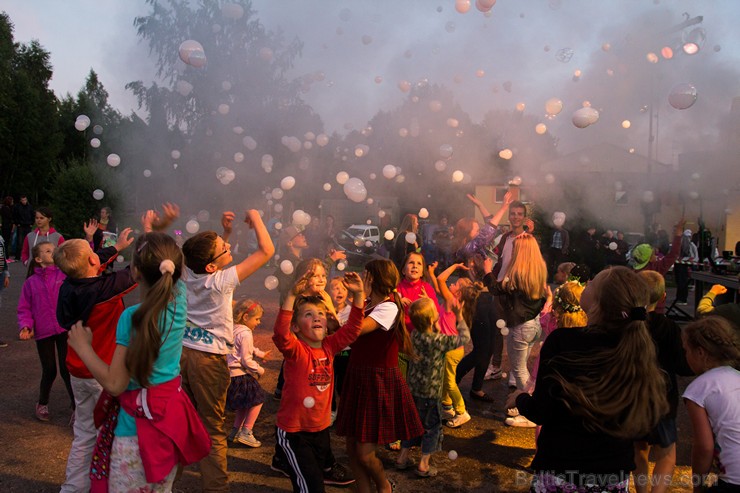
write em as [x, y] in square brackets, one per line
[589, 416]
[43, 232]
[412, 286]
[713, 351]
[424, 378]
[376, 405]
[209, 335]
[97, 301]
[245, 395]
[342, 304]
[37, 308]
[455, 308]
[666, 335]
[156, 428]
[304, 416]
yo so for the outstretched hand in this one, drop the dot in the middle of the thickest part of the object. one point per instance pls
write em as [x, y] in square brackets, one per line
[474, 199]
[170, 212]
[124, 239]
[508, 198]
[90, 228]
[253, 217]
[227, 221]
[353, 282]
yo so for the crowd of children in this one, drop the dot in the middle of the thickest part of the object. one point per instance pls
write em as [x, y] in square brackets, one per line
[381, 351]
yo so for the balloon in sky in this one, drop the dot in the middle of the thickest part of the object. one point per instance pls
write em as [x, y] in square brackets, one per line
[271, 282]
[98, 194]
[682, 96]
[462, 6]
[191, 52]
[553, 106]
[583, 117]
[445, 150]
[113, 160]
[355, 190]
[286, 184]
[95, 142]
[389, 171]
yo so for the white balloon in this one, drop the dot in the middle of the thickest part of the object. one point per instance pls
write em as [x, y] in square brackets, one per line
[457, 176]
[342, 264]
[309, 402]
[583, 117]
[445, 150]
[505, 331]
[389, 235]
[81, 125]
[223, 109]
[249, 143]
[184, 87]
[147, 173]
[440, 165]
[277, 193]
[113, 160]
[682, 96]
[327, 187]
[286, 184]
[612, 245]
[505, 154]
[342, 177]
[203, 215]
[175, 154]
[553, 106]
[500, 323]
[191, 52]
[238, 157]
[95, 142]
[271, 282]
[98, 194]
[322, 140]
[389, 171]
[410, 237]
[355, 190]
[423, 213]
[452, 455]
[192, 226]
[286, 266]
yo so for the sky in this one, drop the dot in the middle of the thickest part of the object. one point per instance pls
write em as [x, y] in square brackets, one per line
[519, 55]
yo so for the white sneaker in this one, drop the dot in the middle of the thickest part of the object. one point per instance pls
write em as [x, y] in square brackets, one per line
[512, 412]
[493, 373]
[447, 413]
[246, 437]
[458, 420]
[520, 422]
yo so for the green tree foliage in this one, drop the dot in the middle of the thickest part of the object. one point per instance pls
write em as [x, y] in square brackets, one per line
[28, 123]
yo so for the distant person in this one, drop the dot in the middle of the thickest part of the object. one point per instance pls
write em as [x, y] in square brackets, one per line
[408, 230]
[23, 218]
[559, 246]
[688, 256]
[5, 275]
[713, 352]
[107, 229]
[44, 232]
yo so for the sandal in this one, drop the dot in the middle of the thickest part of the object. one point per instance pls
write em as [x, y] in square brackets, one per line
[429, 473]
[402, 466]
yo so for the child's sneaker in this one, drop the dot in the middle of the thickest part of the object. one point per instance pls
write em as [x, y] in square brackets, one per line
[338, 475]
[493, 373]
[232, 435]
[42, 412]
[447, 413]
[246, 437]
[458, 420]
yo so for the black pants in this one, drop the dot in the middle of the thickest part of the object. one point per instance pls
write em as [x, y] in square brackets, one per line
[48, 359]
[23, 230]
[306, 454]
[681, 273]
[487, 342]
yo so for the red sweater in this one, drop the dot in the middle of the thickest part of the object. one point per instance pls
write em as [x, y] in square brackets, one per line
[412, 291]
[309, 372]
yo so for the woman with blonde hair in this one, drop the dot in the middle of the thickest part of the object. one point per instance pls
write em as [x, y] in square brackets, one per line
[520, 298]
[598, 388]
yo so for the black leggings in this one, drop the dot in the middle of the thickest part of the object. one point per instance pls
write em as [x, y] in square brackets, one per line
[483, 335]
[48, 359]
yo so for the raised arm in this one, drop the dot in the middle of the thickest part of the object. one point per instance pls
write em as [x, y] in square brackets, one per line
[444, 290]
[113, 378]
[227, 222]
[265, 249]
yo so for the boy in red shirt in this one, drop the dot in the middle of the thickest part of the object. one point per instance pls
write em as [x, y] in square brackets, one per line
[304, 416]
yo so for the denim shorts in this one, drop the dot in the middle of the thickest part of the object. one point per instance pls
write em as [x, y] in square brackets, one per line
[431, 420]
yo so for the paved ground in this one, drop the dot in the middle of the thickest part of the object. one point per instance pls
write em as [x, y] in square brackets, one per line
[492, 457]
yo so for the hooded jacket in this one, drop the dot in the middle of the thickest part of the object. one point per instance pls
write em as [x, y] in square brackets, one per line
[37, 305]
[35, 236]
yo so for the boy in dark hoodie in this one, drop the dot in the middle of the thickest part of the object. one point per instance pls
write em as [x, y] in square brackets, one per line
[97, 300]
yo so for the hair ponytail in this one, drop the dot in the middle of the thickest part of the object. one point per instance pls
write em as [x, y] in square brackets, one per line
[154, 257]
[385, 278]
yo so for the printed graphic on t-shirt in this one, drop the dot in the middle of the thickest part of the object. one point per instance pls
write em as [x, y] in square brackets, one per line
[320, 376]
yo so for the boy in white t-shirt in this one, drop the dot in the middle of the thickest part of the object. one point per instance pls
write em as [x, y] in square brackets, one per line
[209, 335]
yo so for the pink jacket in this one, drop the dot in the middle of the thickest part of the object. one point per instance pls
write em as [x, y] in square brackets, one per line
[37, 306]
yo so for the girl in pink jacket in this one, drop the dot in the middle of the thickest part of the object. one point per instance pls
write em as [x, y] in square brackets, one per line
[37, 308]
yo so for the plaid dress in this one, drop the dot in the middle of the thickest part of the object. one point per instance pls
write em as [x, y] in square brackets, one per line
[376, 404]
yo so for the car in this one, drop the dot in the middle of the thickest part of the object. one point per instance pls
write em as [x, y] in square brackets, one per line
[365, 232]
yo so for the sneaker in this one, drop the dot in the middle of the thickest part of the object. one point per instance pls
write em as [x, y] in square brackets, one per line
[493, 373]
[519, 422]
[458, 420]
[278, 466]
[246, 437]
[232, 435]
[42, 412]
[3, 344]
[338, 475]
[447, 413]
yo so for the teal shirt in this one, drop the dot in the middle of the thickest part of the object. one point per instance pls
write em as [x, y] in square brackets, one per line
[167, 366]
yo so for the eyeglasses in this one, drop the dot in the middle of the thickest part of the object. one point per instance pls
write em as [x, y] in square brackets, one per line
[215, 257]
